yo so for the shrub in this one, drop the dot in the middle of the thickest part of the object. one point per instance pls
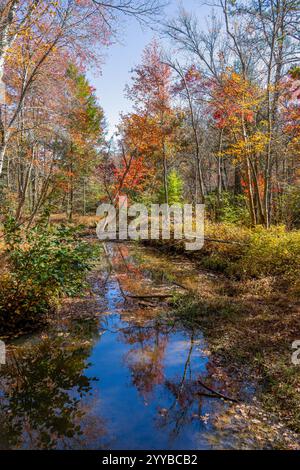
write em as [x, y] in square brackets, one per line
[175, 189]
[259, 252]
[273, 252]
[43, 264]
[229, 209]
[21, 304]
[291, 207]
[236, 236]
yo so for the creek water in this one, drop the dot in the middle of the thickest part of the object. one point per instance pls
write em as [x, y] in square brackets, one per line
[118, 375]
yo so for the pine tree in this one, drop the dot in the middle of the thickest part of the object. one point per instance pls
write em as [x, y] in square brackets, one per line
[175, 189]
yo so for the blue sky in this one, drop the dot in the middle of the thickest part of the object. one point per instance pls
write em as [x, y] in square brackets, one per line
[125, 55]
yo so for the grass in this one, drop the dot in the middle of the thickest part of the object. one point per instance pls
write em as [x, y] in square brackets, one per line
[88, 221]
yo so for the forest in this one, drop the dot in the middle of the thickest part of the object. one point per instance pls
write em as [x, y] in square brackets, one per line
[214, 119]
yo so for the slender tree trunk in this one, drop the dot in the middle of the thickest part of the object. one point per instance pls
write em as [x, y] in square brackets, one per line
[248, 174]
[219, 175]
[23, 189]
[260, 211]
[71, 200]
[199, 172]
[5, 43]
[224, 176]
[84, 196]
[2, 138]
[237, 181]
[166, 190]
[250, 193]
[42, 196]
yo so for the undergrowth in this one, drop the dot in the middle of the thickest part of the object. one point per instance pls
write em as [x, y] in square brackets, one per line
[40, 266]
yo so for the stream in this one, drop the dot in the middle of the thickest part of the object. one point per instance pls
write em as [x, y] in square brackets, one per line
[117, 374]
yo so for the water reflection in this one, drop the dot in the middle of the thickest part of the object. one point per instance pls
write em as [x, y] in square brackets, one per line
[156, 349]
[145, 357]
[43, 389]
[125, 379]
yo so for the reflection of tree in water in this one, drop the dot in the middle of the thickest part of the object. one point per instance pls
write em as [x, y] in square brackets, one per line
[125, 264]
[148, 342]
[41, 391]
[146, 362]
[145, 358]
[189, 397]
[147, 339]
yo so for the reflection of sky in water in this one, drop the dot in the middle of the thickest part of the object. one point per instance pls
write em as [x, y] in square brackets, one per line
[134, 418]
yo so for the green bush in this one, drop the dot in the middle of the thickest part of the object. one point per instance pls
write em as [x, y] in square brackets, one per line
[175, 189]
[43, 264]
[229, 209]
[22, 305]
[215, 262]
[291, 207]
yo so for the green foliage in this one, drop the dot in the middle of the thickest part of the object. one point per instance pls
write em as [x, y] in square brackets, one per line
[291, 207]
[229, 208]
[175, 189]
[91, 113]
[43, 264]
[215, 262]
[295, 72]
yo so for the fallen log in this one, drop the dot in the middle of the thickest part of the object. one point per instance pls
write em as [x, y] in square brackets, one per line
[150, 296]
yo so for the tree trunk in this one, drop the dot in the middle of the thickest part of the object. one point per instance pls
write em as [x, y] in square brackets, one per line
[250, 193]
[165, 175]
[5, 43]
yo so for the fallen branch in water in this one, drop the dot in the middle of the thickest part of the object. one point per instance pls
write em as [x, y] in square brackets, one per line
[180, 285]
[217, 394]
[150, 296]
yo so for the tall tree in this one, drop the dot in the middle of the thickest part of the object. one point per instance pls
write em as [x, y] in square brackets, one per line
[151, 94]
[74, 26]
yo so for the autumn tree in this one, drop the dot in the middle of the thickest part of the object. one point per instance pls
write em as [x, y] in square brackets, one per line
[235, 103]
[189, 86]
[150, 93]
[73, 26]
[84, 131]
[270, 47]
